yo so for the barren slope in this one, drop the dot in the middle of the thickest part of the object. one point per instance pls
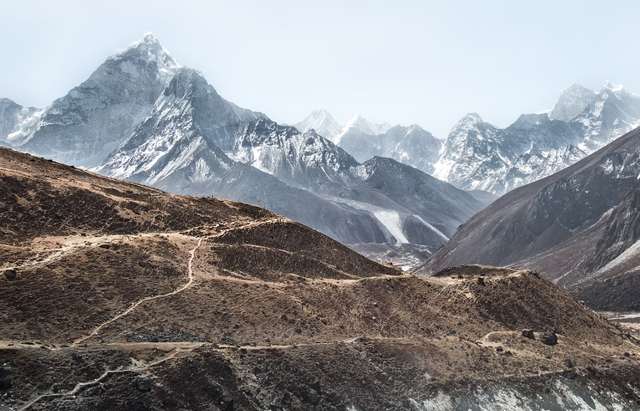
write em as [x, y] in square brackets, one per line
[126, 297]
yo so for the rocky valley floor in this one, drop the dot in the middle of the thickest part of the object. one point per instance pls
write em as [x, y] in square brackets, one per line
[115, 296]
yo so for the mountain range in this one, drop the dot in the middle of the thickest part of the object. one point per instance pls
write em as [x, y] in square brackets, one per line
[578, 227]
[143, 117]
[476, 155]
[364, 139]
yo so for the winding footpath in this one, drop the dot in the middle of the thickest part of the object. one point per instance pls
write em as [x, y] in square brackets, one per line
[146, 299]
[79, 386]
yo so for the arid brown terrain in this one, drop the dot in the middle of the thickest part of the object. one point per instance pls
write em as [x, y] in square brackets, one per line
[116, 296]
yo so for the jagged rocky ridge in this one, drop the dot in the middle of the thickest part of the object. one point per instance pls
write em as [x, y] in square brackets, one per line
[364, 139]
[477, 155]
[578, 227]
[141, 116]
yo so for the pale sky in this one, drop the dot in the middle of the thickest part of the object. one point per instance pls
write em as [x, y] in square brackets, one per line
[404, 62]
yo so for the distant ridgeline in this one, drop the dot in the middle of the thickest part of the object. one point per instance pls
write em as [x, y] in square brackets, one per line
[476, 155]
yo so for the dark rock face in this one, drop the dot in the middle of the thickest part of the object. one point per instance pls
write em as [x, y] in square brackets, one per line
[616, 293]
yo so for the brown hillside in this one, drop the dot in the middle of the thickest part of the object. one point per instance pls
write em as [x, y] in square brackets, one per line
[126, 297]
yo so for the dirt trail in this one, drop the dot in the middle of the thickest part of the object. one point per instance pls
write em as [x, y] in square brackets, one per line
[189, 345]
[333, 281]
[190, 276]
[72, 244]
[136, 367]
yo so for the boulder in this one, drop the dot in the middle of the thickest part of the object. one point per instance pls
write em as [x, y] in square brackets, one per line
[276, 403]
[5, 375]
[313, 397]
[143, 383]
[315, 385]
[528, 333]
[10, 274]
[549, 338]
[226, 402]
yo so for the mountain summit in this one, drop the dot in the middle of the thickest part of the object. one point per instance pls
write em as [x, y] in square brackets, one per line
[86, 125]
[322, 122]
[361, 125]
[148, 49]
[573, 100]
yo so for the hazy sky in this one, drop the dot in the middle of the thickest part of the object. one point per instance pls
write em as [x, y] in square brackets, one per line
[424, 62]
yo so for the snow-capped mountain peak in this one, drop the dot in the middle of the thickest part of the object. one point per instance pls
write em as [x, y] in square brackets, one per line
[146, 50]
[613, 87]
[362, 125]
[322, 122]
[573, 100]
[474, 117]
[86, 125]
[468, 121]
